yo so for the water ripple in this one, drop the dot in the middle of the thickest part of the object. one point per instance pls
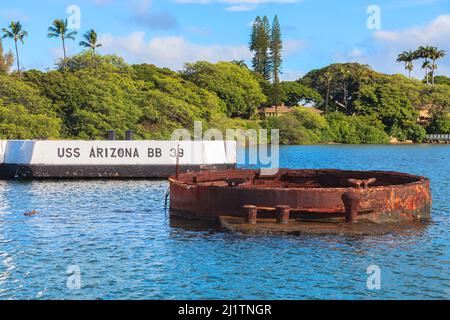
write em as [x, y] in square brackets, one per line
[119, 235]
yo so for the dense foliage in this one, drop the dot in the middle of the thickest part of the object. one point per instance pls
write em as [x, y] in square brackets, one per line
[24, 112]
[302, 126]
[394, 100]
[294, 93]
[88, 94]
[299, 127]
[235, 85]
[442, 80]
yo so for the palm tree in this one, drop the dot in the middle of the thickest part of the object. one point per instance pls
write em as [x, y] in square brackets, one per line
[435, 54]
[407, 57]
[59, 30]
[16, 33]
[90, 40]
[425, 53]
[426, 65]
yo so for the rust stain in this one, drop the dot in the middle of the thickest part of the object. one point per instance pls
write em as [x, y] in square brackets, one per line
[314, 195]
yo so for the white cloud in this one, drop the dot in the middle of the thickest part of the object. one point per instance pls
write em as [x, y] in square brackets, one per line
[237, 1]
[102, 2]
[382, 50]
[174, 51]
[355, 53]
[13, 14]
[437, 31]
[239, 5]
[293, 46]
[202, 31]
[410, 3]
[169, 51]
[291, 75]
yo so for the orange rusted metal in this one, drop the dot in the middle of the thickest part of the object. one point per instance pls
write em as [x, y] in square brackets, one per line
[310, 195]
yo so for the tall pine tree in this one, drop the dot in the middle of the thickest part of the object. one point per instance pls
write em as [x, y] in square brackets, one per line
[260, 45]
[265, 42]
[253, 44]
[276, 45]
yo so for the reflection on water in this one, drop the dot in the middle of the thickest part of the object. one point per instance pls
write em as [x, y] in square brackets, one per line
[126, 246]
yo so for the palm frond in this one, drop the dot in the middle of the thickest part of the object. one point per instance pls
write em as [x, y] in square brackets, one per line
[90, 40]
[71, 35]
[85, 44]
[7, 34]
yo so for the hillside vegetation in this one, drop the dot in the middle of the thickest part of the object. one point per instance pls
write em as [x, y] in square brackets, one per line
[91, 94]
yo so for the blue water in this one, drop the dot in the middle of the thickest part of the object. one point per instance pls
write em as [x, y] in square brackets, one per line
[125, 245]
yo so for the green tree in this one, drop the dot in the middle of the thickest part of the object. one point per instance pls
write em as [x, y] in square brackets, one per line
[113, 95]
[392, 107]
[59, 29]
[24, 112]
[276, 45]
[260, 45]
[442, 80]
[425, 53]
[16, 33]
[340, 84]
[301, 126]
[426, 65]
[435, 54]
[355, 129]
[90, 41]
[253, 45]
[440, 109]
[327, 78]
[6, 60]
[170, 101]
[408, 58]
[103, 64]
[16, 122]
[234, 85]
[440, 123]
[295, 93]
[264, 44]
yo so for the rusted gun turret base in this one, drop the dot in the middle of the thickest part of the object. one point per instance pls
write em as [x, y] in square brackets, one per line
[320, 196]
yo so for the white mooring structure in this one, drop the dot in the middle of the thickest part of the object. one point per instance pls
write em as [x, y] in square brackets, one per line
[111, 159]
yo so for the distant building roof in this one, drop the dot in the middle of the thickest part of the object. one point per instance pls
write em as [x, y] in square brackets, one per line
[314, 110]
[281, 109]
[274, 111]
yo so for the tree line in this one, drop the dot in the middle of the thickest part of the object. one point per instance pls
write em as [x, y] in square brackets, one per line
[428, 54]
[58, 29]
[88, 94]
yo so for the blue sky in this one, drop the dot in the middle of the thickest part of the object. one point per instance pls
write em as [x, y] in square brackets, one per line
[171, 32]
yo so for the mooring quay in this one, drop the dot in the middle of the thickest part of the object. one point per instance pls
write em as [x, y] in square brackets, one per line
[29, 159]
